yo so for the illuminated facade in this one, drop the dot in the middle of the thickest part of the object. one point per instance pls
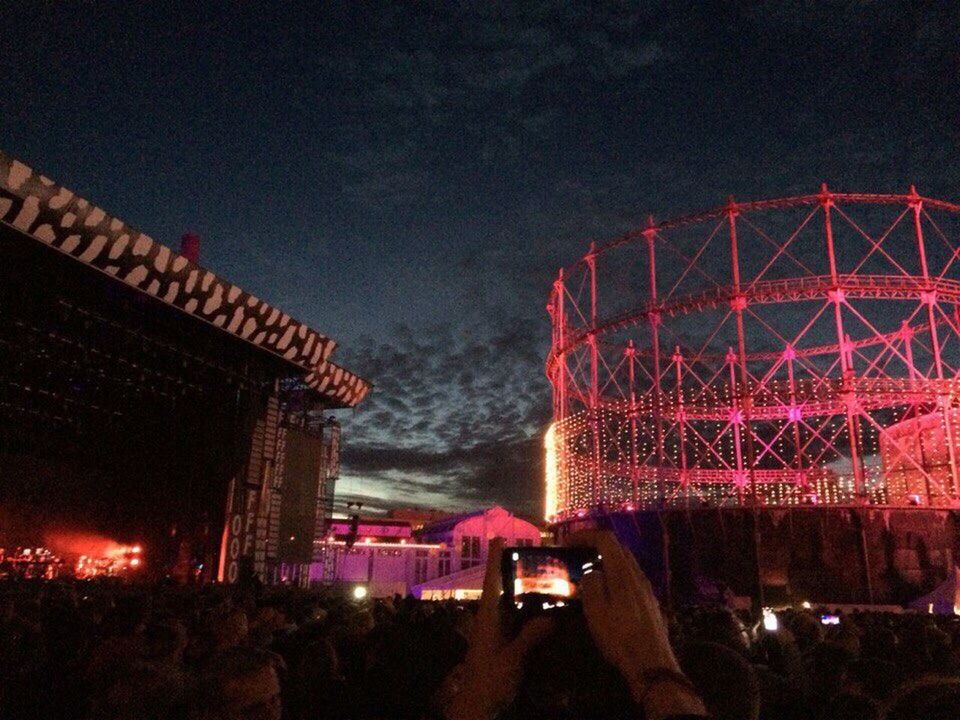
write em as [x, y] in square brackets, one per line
[445, 559]
[913, 452]
[788, 352]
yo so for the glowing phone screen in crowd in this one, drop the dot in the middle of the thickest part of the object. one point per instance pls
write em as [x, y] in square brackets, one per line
[545, 578]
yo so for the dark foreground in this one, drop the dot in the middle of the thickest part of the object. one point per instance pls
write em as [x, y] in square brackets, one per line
[84, 650]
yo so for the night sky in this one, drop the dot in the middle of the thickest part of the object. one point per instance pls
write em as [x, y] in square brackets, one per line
[407, 177]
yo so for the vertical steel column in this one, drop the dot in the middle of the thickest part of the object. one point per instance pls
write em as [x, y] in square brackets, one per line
[929, 298]
[906, 334]
[865, 551]
[634, 469]
[562, 339]
[835, 295]
[681, 425]
[554, 373]
[594, 377]
[654, 320]
[739, 303]
[560, 413]
[790, 355]
[736, 418]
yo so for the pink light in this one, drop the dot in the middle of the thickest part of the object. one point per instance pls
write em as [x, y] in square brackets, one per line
[408, 545]
[793, 405]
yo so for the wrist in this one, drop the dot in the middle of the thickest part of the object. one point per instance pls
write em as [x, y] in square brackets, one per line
[464, 709]
[468, 714]
[665, 701]
[460, 699]
[636, 666]
[469, 701]
[665, 691]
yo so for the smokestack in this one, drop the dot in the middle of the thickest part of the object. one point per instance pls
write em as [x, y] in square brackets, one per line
[190, 247]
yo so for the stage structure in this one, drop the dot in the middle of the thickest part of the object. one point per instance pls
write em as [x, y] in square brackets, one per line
[784, 353]
[144, 397]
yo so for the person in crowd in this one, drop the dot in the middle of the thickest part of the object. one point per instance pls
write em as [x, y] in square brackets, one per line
[127, 652]
[725, 678]
[624, 619]
[239, 684]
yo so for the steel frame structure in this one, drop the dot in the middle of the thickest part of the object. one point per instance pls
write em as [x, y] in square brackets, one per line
[787, 352]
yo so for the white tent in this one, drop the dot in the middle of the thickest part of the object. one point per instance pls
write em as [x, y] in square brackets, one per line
[943, 599]
[464, 585]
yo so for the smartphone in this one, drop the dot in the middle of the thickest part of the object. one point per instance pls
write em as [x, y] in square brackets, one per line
[538, 580]
[830, 619]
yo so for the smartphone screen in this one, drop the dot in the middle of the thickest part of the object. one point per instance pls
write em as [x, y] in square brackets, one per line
[770, 622]
[543, 579]
[830, 619]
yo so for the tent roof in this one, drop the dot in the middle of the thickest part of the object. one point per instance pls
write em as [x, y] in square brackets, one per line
[469, 579]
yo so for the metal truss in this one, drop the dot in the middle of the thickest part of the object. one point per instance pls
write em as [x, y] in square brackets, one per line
[787, 352]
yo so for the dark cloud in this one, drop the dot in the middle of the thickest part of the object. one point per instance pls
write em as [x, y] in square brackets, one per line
[457, 411]
[508, 472]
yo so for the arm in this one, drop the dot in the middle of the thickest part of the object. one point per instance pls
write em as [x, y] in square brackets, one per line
[489, 677]
[624, 618]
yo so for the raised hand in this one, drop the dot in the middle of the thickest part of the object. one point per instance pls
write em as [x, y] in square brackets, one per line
[488, 680]
[624, 618]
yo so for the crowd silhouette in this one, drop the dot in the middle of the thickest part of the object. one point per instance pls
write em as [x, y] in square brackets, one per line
[139, 652]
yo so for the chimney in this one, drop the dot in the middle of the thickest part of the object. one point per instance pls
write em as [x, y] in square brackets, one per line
[190, 247]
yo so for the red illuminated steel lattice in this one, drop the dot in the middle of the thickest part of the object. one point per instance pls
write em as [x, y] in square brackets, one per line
[799, 351]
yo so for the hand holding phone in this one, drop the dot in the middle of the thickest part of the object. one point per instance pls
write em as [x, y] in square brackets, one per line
[490, 675]
[624, 618]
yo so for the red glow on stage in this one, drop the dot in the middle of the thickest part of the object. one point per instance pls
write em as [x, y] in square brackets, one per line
[66, 542]
[95, 555]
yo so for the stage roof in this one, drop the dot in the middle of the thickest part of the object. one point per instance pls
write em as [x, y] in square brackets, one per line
[50, 214]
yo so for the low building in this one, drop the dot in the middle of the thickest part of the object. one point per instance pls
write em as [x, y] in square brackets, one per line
[418, 517]
[916, 455]
[375, 528]
[470, 534]
[381, 555]
[444, 559]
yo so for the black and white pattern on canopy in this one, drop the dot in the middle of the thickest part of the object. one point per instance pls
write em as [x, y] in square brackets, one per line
[37, 206]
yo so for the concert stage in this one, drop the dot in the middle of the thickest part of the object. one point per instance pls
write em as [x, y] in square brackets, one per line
[144, 397]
